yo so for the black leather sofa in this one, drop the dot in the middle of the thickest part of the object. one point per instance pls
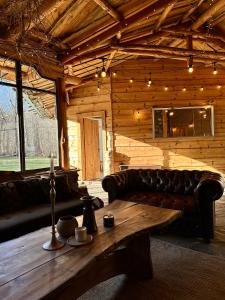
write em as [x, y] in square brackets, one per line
[25, 203]
[192, 192]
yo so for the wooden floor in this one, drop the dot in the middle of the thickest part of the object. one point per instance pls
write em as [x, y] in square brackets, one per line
[95, 189]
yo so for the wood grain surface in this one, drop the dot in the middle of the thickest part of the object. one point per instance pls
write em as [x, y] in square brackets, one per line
[29, 272]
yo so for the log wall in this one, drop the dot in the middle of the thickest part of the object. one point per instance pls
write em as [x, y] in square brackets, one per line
[133, 137]
[84, 100]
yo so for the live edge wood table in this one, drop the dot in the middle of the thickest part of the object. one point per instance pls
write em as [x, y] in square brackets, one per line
[29, 272]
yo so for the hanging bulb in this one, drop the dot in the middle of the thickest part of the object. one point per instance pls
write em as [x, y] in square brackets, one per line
[184, 89]
[190, 64]
[201, 89]
[150, 79]
[131, 80]
[98, 88]
[166, 88]
[214, 69]
[114, 74]
[103, 72]
[96, 73]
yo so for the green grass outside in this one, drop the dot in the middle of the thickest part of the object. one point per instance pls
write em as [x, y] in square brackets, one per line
[12, 163]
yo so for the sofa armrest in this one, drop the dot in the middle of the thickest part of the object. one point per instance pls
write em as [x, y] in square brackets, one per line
[115, 184]
[210, 187]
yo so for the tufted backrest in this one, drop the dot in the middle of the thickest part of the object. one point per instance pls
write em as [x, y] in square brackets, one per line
[163, 180]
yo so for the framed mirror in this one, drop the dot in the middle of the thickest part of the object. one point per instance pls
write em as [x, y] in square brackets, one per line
[191, 121]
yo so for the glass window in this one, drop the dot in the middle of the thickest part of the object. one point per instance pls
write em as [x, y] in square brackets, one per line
[183, 121]
[7, 71]
[28, 122]
[9, 145]
[40, 128]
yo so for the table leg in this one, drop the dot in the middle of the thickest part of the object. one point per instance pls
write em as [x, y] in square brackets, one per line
[138, 261]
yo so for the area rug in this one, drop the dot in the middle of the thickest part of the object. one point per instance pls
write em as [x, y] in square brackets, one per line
[179, 274]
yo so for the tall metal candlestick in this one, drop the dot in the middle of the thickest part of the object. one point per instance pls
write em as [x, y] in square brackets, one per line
[54, 243]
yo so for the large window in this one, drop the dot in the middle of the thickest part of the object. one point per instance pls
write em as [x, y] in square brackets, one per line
[183, 121]
[28, 122]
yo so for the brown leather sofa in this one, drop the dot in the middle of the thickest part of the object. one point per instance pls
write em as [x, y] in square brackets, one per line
[25, 203]
[192, 192]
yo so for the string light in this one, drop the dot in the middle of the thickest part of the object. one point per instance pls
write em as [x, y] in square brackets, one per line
[114, 73]
[96, 73]
[219, 87]
[149, 80]
[103, 72]
[190, 64]
[214, 69]
[184, 89]
[201, 89]
[166, 88]
[98, 87]
[131, 80]
[171, 113]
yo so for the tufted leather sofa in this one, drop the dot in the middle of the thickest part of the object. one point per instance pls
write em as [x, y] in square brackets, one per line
[192, 192]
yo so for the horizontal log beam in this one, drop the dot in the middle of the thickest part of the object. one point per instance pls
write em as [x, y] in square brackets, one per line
[149, 38]
[164, 15]
[109, 9]
[74, 80]
[92, 54]
[157, 54]
[121, 26]
[208, 14]
[174, 51]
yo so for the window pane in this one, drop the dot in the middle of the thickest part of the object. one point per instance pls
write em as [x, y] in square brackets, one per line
[9, 141]
[7, 71]
[31, 78]
[40, 129]
[183, 122]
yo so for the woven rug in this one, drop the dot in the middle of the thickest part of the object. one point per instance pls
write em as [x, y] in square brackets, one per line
[179, 273]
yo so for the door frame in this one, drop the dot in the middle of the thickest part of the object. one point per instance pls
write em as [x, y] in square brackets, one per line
[81, 153]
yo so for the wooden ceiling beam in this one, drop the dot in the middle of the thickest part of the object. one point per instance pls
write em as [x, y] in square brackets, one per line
[157, 54]
[218, 19]
[92, 54]
[148, 39]
[109, 60]
[121, 26]
[164, 15]
[191, 11]
[208, 14]
[174, 51]
[109, 9]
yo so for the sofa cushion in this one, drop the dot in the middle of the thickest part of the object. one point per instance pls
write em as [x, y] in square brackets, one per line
[30, 191]
[16, 223]
[10, 199]
[61, 187]
[186, 203]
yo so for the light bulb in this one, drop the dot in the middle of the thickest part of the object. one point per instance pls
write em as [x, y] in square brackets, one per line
[131, 80]
[190, 69]
[214, 69]
[149, 82]
[171, 113]
[184, 89]
[166, 88]
[103, 72]
[219, 87]
[201, 89]
[96, 75]
[114, 74]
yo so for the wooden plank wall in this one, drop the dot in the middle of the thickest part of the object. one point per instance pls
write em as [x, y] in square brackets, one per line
[87, 99]
[133, 138]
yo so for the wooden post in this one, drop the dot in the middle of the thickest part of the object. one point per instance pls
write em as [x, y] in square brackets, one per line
[62, 125]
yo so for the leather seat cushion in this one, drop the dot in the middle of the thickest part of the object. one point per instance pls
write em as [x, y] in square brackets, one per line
[186, 203]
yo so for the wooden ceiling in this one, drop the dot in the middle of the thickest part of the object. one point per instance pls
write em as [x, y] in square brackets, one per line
[84, 32]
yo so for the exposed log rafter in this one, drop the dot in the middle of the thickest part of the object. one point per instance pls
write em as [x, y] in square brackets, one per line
[109, 9]
[164, 14]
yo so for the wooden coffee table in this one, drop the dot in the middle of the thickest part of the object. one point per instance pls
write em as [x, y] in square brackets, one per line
[29, 272]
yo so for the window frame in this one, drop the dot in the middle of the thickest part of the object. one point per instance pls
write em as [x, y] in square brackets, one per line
[212, 121]
[18, 85]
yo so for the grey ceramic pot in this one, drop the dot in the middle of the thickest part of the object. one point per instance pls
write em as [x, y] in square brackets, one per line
[66, 226]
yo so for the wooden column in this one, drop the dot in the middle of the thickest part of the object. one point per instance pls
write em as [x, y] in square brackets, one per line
[62, 125]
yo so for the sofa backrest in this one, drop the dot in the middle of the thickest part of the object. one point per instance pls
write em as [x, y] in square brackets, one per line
[164, 180]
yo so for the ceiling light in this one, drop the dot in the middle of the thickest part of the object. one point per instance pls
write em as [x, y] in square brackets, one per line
[171, 113]
[166, 88]
[201, 89]
[184, 89]
[114, 74]
[190, 64]
[98, 87]
[103, 72]
[131, 80]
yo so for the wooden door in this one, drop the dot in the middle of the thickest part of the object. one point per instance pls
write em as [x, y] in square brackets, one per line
[91, 149]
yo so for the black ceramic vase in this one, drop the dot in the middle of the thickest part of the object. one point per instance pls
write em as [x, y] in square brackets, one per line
[89, 214]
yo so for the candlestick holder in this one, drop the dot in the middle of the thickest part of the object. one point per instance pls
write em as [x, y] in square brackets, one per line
[54, 243]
